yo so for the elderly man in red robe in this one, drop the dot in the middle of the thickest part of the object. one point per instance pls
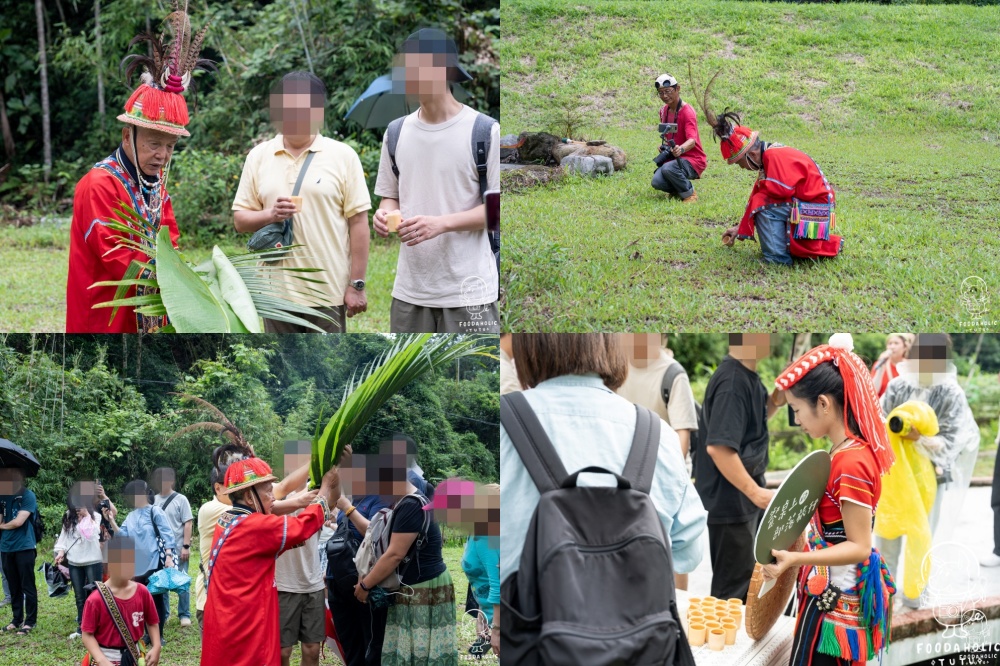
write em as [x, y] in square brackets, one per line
[134, 174]
[242, 626]
[791, 204]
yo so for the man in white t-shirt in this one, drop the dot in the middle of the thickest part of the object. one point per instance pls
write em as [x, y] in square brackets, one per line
[446, 275]
[179, 517]
[301, 601]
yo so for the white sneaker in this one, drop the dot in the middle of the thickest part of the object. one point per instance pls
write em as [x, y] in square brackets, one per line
[991, 560]
[185, 622]
[74, 635]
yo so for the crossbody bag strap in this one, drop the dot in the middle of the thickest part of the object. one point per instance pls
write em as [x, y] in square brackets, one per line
[170, 499]
[116, 616]
[214, 555]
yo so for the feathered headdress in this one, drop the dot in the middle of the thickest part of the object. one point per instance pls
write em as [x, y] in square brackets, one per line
[859, 393]
[245, 473]
[736, 139]
[158, 103]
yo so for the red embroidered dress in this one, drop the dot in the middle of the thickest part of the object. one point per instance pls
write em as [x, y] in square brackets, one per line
[93, 256]
[857, 628]
[242, 625]
[789, 173]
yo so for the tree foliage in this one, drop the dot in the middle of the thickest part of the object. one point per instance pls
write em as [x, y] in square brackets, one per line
[114, 416]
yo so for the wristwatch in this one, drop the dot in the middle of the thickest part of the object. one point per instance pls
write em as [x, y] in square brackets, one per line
[188, 546]
[358, 284]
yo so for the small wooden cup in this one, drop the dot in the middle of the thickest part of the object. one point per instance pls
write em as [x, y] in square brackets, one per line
[730, 628]
[716, 639]
[297, 202]
[696, 636]
[392, 220]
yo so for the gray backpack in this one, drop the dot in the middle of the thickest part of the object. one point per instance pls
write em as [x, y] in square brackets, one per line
[595, 584]
[481, 138]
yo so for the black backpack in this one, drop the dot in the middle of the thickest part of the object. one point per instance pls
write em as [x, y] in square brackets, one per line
[595, 584]
[674, 370]
[482, 131]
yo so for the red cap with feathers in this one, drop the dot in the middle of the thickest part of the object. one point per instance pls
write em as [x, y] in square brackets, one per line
[245, 473]
[158, 103]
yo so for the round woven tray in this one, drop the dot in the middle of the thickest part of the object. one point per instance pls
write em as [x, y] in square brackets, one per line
[761, 614]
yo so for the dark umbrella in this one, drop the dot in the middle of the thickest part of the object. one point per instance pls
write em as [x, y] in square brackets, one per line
[12, 455]
[379, 105]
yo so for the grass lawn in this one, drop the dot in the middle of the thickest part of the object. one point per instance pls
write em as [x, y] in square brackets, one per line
[33, 268]
[895, 104]
[48, 644]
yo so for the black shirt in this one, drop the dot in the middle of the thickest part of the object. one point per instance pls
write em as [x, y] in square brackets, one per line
[408, 518]
[735, 411]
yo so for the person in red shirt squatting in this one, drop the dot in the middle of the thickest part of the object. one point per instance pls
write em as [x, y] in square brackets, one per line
[134, 174]
[791, 204]
[133, 609]
[242, 626]
[674, 177]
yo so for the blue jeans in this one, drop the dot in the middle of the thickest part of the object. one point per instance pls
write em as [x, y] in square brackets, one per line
[675, 177]
[183, 597]
[772, 232]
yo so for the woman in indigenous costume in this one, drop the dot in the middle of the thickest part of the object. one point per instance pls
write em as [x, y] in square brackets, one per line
[241, 625]
[134, 174]
[897, 346]
[845, 590]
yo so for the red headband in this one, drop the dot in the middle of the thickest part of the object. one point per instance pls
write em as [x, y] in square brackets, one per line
[859, 395]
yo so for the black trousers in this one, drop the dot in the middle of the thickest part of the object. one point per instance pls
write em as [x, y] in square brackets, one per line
[730, 546]
[360, 628]
[995, 503]
[19, 570]
[81, 577]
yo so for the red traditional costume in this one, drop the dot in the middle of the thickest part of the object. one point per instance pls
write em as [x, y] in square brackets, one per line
[787, 176]
[94, 255]
[845, 611]
[242, 625]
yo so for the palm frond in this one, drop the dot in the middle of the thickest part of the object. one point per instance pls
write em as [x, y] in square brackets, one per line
[368, 390]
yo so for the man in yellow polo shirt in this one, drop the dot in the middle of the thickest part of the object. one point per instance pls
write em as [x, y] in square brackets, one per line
[333, 221]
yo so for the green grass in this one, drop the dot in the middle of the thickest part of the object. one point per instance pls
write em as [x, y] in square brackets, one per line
[895, 104]
[34, 265]
[48, 644]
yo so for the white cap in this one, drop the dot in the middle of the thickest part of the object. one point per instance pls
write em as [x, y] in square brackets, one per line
[665, 80]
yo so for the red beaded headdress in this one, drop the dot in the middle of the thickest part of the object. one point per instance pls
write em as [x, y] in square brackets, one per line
[859, 395]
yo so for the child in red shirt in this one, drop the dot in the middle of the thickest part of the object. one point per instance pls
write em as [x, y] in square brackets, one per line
[100, 634]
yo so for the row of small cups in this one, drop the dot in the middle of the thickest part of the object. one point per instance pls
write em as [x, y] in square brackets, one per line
[715, 621]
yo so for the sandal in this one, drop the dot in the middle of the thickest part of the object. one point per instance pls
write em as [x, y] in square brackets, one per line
[25, 630]
[9, 628]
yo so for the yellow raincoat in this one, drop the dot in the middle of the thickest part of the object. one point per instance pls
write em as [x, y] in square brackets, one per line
[912, 476]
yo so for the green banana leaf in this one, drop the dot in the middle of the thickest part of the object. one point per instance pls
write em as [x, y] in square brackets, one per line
[235, 292]
[191, 305]
[368, 390]
[225, 294]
